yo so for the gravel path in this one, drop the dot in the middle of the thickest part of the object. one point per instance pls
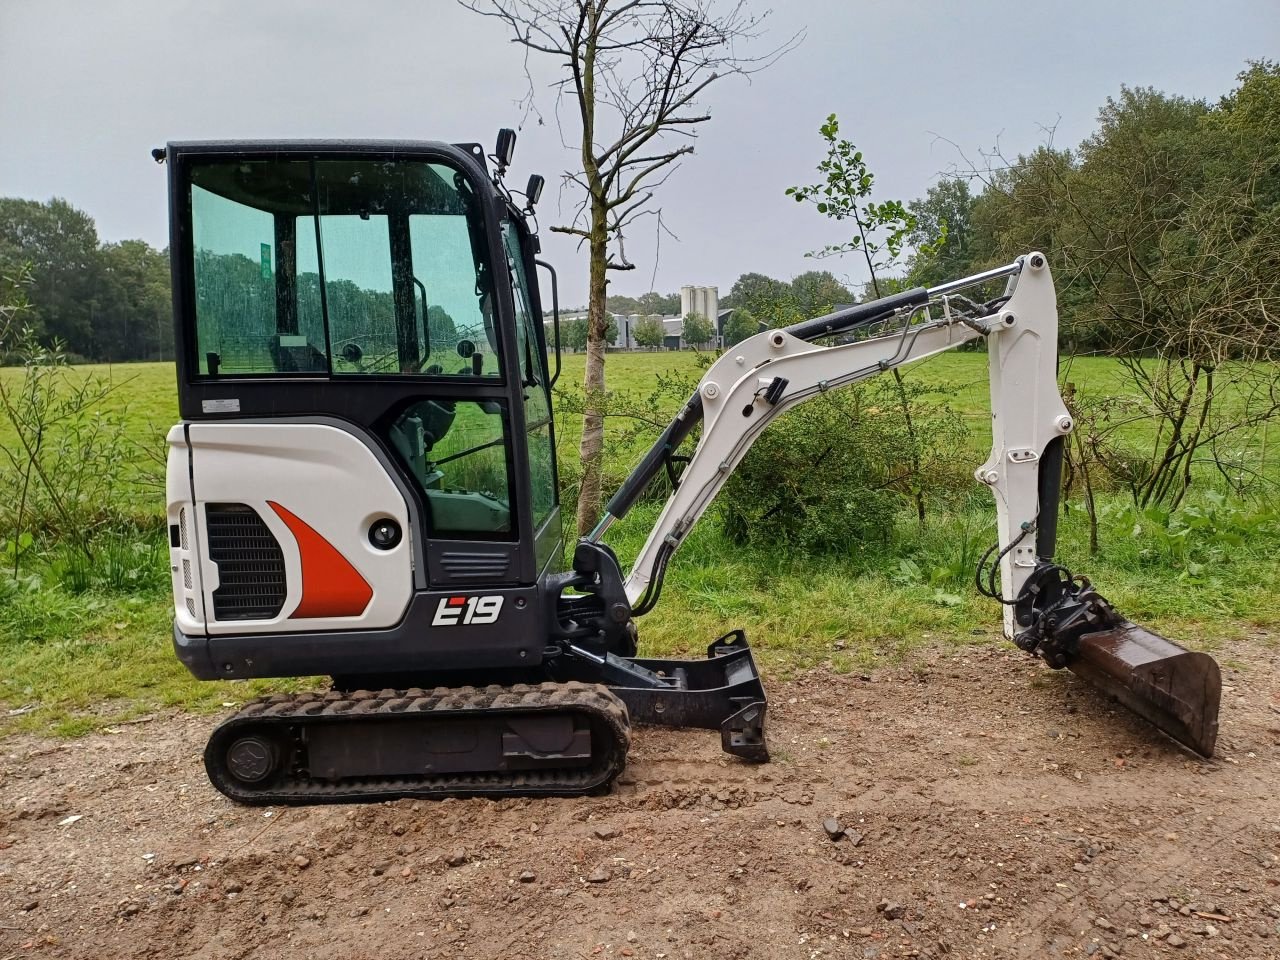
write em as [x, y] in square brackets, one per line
[982, 807]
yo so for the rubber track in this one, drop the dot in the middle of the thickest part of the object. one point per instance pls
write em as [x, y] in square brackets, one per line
[610, 725]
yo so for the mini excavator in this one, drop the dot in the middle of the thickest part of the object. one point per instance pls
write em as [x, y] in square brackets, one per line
[363, 485]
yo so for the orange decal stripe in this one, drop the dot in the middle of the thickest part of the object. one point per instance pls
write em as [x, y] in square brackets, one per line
[331, 586]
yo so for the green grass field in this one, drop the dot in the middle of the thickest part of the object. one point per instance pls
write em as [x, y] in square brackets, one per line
[90, 658]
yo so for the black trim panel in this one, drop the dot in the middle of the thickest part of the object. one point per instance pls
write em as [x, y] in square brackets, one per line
[515, 640]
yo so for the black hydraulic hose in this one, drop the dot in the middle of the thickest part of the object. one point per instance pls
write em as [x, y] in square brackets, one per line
[1050, 494]
[858, 316]
[654, 592]
[989, 589]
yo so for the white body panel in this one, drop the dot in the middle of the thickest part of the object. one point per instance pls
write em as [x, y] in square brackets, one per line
[184, 557]
[323, 475]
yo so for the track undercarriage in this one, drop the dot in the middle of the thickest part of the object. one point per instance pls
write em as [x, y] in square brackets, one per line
[563, 738]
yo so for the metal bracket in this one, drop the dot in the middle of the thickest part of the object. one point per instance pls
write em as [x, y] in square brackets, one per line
[722, 692]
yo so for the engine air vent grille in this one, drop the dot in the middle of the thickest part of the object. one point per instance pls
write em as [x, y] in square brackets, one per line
[251, 583]
[469, 565]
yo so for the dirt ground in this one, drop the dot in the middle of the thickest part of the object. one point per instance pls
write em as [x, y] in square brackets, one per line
[998, 810]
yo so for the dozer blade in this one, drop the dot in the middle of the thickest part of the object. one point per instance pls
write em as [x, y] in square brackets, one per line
[1176, 689]
[722, 692]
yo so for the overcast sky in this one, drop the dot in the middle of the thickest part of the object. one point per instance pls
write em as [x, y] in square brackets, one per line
[87, 87]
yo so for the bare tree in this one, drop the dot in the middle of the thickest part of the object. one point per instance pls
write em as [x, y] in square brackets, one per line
[633, 71]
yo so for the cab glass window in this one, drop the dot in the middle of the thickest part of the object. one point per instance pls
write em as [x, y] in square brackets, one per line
[456, 451]
[340, 267]
[454, 314]
[536, 382]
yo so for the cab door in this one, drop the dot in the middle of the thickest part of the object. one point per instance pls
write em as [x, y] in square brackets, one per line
[535, 381]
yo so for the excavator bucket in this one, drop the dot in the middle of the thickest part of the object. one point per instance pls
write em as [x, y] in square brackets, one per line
[1176, 689]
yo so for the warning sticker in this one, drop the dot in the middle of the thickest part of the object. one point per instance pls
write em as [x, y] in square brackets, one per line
[221, 406]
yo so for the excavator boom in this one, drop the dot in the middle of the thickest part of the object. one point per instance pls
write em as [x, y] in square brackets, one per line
[1046, 610]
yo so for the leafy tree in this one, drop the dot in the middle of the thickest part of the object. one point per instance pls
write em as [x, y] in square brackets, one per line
[740, 324]
[440, 326]
[632, 74]
[649, 332]
[575, 332]
[651, 302]
[698, 330]
[817, 292]
[617, 303]
[102, 302]
[135, 317]
[844, 193]
[1246, 123]
[764, 297]
[942, 234]
[882, 228]
[1020, 207]
[663, 304]
[60, 243]
[1161, 227]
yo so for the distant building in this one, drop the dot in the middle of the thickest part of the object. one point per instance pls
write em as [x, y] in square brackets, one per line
[626, 324]
[700, 300]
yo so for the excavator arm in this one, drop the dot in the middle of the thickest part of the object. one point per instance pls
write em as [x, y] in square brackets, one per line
[1046, 610]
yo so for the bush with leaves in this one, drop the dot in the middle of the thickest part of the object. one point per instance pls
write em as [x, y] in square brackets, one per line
[575, 332]
[740, 325]
[1195, 539]
[649, 332]
[830, 476]
[833, 473]
[883, 229]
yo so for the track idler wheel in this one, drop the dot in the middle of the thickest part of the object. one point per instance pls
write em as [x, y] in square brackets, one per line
[253, 759]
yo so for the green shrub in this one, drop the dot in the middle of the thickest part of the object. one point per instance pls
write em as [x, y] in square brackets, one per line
[1193, 539]
[832, 474]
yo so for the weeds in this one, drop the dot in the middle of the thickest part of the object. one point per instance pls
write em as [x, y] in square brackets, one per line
[61, 477]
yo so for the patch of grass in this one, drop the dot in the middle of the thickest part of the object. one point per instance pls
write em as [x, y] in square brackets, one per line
[90, 643]
[148, 390]
[90, 660]
[796, 609]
